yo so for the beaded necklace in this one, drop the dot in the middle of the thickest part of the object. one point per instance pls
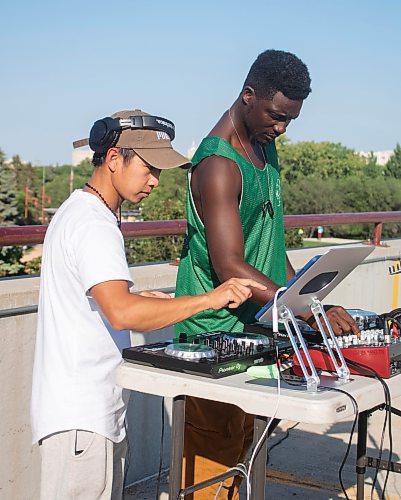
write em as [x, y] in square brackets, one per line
[107, 205]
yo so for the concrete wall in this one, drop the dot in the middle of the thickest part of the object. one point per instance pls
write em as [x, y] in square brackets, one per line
[19, 469]
[370, 286]
[19, 460]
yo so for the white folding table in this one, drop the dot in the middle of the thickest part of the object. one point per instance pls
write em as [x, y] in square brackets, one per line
[258, 397]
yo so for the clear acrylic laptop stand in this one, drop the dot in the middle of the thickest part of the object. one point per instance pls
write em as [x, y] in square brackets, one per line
[286, 316]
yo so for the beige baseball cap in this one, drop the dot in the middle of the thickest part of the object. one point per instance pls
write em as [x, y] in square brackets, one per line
[153, 146]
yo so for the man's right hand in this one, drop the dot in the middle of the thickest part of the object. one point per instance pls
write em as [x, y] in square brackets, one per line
[232, 293]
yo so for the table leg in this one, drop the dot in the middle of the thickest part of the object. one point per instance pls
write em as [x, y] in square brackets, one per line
[259, 467]
[177, 446]
[361, 454]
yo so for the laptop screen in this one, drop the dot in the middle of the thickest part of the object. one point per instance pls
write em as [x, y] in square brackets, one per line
[317, 279]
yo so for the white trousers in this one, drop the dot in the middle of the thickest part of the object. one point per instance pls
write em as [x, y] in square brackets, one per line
[81, 465]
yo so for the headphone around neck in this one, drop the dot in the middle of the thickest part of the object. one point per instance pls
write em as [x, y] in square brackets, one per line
[105, 133]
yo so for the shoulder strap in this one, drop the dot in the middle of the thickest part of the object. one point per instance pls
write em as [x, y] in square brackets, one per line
[215, 146]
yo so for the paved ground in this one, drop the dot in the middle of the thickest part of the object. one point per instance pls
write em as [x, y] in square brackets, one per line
[32, 253]
[334, 241]
[305, 464]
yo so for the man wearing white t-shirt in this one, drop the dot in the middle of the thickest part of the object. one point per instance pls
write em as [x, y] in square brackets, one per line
[86, 311]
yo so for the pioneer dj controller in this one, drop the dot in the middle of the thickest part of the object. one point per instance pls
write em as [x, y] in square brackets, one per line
[209, 354]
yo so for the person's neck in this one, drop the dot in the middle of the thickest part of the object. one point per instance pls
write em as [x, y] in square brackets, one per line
[104, 188]
[238, 131]
[236, 112]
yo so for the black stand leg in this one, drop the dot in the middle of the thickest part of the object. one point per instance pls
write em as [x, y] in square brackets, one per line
[361, 454]
[258, 480]
[177, 446]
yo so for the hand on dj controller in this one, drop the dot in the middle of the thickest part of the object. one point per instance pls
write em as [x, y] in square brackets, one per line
[340, 321]
[232, 293]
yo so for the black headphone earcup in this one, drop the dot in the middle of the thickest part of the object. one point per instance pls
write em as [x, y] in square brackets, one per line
[104, 134]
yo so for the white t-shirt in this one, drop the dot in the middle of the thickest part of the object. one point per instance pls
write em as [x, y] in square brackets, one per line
[77, 351]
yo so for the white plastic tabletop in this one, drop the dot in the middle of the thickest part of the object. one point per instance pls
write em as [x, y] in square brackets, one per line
[259, 396]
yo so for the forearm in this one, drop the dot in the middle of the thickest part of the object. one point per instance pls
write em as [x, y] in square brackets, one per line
[126, 311]
[145, 314]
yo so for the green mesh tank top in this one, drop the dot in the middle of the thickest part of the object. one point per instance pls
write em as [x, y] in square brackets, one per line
[264, 244]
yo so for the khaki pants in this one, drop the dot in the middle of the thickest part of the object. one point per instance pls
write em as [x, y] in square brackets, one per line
[217, 437]
[81, 465]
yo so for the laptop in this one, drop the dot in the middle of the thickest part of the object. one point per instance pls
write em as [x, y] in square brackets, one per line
[317, 279]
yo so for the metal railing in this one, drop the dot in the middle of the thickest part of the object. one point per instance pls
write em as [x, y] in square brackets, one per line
[28, 235]
[33, 309]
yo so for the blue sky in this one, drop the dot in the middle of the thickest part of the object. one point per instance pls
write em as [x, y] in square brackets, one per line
[66, 64]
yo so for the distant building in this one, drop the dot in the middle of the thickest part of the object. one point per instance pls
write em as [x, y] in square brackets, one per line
[8, 161]
[133, 215]
[191, 151]
[79, 155]
[382, 157]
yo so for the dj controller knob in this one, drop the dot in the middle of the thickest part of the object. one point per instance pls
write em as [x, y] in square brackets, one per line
[182, 338]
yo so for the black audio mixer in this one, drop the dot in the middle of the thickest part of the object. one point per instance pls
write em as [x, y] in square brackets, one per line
[209, 354]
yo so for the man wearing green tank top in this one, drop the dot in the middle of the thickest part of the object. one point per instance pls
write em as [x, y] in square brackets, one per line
[235, 228]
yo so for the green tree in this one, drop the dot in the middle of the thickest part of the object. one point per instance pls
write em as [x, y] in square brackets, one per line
[27, 187]
[372, 169]
[8, 193]
[318, 159]
[9, 256]
[166, 202]
[24, 173]
[312, 196]
[393, 167]
[58, 181]
[293, 239]
[349, 194]
[10, 264]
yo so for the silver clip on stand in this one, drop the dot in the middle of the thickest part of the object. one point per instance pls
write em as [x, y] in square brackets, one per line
[342, 369]
[287, 317]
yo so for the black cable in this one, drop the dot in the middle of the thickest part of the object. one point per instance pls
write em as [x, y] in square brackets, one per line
[286, 435]
[388, 415]
[380, 456]
[387, 420]
[390, 436]
[347, 451]
[161, 449]
[371, 372]
[387, 397]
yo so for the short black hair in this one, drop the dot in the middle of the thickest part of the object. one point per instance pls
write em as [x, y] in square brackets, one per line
[278, 71]
[99, 158]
